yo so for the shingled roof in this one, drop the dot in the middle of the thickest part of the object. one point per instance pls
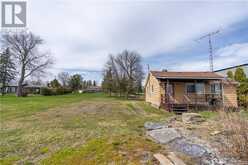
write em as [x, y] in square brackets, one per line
[186, 75]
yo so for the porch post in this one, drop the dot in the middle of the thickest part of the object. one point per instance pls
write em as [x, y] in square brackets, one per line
[167, 95]
[222, 94]
[195, 92]
[167, 90]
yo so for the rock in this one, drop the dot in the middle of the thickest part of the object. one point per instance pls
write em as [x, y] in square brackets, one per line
[192, 118]
[153, 125]
[145, 157]
[185, 146]
[172, 119]
[164, 135]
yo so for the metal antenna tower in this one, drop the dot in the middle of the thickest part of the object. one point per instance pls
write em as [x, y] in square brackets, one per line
[209, 36]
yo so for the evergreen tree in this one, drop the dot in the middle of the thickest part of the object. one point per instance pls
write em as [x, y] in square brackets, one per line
[94, 83]
[242, 89]
[75, 82]
[7, 69]
[55, 84]
[230, 75]
[107, 83]
[240, 75]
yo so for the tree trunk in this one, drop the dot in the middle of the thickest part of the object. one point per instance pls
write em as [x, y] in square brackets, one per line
[3, 90]
[127, 94]
[3, 87]
[19, 88]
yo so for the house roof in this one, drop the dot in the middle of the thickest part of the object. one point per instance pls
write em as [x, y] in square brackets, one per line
[186, 75]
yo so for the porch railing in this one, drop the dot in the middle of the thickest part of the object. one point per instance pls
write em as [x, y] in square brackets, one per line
[206, 99]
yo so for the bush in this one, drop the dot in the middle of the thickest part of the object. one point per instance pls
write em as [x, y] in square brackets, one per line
[46, 91]
[54, 91]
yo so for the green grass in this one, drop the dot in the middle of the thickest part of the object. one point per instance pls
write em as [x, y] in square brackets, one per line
[74, 129]
[208, 114]
[121, 150]
[13, 107]
[244, 113]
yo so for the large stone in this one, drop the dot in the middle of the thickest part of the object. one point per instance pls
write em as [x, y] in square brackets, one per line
[153, 126]
[164, 135]
[185, 146]
[192, 118]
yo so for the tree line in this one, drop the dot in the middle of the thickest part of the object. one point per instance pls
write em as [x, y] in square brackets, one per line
[21, 58]
[242, 90]
[123, 74]
[74, 82]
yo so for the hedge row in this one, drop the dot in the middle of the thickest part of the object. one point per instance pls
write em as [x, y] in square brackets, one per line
[54, 91]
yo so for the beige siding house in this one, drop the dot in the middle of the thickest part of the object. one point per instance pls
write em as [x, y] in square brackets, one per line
[185, 90]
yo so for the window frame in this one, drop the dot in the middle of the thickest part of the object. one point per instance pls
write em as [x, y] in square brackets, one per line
[215, 91]
[186, 88]
[195, 91]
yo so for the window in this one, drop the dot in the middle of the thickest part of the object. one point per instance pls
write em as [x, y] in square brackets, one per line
[152, 88]
[215, 88]
[190, 88]
[198, 88]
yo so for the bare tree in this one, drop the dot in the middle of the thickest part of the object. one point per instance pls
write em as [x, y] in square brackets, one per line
[24, 47]
[126, 73]
[64, 78]
[131, 68]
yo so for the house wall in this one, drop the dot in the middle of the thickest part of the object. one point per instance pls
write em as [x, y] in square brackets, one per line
[153, 92]
[230, 95]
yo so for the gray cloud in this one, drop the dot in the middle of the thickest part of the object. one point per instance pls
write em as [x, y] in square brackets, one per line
[81, 34]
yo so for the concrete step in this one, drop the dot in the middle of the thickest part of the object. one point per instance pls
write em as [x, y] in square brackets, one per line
[170, 159]
[162, 159]
[175, 159]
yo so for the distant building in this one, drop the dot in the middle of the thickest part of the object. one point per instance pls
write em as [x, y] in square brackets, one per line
[92, 89]
[225, 70]
[12, 88]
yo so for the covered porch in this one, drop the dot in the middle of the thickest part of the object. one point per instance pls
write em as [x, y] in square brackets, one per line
[186, 94]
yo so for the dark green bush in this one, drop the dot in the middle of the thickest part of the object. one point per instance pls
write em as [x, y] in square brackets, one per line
[46, 91]
[54, 91]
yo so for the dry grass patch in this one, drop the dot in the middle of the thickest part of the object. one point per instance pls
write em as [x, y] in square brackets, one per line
[235, 135]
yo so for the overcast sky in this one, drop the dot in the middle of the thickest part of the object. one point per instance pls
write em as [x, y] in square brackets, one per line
[81, 34]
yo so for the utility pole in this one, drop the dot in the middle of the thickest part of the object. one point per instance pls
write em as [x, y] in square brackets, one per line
[211, 59]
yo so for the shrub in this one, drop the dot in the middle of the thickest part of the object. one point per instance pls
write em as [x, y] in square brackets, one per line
[46, 91]
[55, 91]
[236, 136]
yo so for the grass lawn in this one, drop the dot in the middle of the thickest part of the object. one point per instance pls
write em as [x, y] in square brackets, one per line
[75, 129]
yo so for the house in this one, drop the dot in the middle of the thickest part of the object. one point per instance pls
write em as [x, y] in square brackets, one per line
[30, 89]
[92, 89]
[233, 69]
[181, 91]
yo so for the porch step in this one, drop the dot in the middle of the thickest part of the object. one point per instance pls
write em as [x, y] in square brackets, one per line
[179, 108]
